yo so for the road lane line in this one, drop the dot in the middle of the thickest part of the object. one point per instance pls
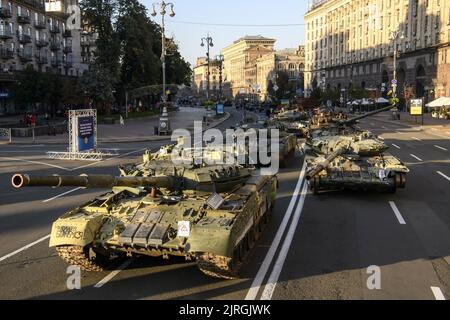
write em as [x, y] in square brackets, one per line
[397, 212]
[416, 157]
[437, 292]
[36, 162]
[415, 138]
[9, 255]
[278, 267]
[381, 138]
[384, 127]
[62, 194]
[400, 132]
[105, 280]
[396, 146]
[256, 284]
[443, 175]
[439, 147]
[109, 159]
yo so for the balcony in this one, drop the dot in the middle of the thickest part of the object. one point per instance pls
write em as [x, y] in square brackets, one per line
[54, 29]
[68, 64]
[6, 53]
[41, 43]
[67, 49]
[5, 13]
[24, 38]
[41, 59]
[67, 33]
[55, 46]
[23, 19]
[25, 55]
[40, 25]
[56, 62]
[5, 34]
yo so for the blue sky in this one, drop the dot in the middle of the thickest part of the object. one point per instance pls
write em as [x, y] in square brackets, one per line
[253, 12]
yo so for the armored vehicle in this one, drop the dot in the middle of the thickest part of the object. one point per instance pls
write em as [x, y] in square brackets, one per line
[209, 214]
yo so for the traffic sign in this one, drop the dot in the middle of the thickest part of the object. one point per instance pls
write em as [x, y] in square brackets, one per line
[394, 81]
[276, 88]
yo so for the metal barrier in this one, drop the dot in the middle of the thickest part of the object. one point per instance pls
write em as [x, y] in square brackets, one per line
[5, 134]
[96, 155]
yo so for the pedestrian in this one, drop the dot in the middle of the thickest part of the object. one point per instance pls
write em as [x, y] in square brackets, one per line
[33, 120]
[122, 122]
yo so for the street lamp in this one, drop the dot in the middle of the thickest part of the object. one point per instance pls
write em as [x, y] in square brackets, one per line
[164, 123]
[220, 59]
[394, 36]
[209, 43]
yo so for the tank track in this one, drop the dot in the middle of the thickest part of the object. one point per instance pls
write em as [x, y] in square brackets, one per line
[76, 255]
[216, 266]
[226, 267]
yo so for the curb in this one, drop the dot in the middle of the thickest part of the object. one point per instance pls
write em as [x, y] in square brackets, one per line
[104, 140]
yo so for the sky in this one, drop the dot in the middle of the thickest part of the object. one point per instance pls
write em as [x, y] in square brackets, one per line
[235, 12]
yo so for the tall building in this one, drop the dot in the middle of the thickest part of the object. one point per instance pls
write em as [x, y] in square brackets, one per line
[42, 34]
[240, 62]
[352, 43]
[291, 61]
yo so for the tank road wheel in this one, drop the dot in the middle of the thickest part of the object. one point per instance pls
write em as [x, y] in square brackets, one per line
[84, 257]
[315, 185]
[400, 180]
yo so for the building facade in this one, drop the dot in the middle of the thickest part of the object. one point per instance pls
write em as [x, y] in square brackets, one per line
[352, 43]
[38, 34]
[291, 61]
[240, 63]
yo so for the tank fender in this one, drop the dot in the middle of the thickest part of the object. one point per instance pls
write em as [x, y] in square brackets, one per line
[210, 240]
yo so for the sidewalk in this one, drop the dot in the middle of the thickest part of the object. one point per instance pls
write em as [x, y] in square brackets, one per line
[406, 120]
[135, 130]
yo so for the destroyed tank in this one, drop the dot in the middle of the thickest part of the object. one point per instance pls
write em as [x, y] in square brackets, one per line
[347, 162]
[212, 215]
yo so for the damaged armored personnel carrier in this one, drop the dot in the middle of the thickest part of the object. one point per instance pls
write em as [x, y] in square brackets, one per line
[209, 214]
[356, 162]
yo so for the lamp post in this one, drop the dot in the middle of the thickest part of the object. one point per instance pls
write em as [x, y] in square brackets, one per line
[164, 123]
[220, 59]
[209, 43]
[394, 36]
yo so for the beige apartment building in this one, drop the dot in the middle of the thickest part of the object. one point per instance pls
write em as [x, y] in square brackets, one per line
[240, 63]
[352, 42]
[201, 75]
[45, 35]
[291, 61]
[251, 62]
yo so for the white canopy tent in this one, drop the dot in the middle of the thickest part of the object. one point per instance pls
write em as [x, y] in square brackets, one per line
[439, 102]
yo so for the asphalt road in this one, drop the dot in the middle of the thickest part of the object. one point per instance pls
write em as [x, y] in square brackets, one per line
[316, 247]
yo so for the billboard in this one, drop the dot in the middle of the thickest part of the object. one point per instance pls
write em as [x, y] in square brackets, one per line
[85, 133]
[220, 108]
[416, 108]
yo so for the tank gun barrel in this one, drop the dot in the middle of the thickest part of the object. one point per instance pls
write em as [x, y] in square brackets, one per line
[321, 166]
[365, 115]
[93, 181]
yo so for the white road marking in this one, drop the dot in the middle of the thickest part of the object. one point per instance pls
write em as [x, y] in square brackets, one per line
[36, 162]
[380, 137]
[274, 276]
[416, 157]
[256, 284]
[372, 124]
[384, 127]
[396, 146]
[109, 159]
[437, 292]
[123, 266]
[397, 212]
[415, 138]
[443, 175]
[439, 147]
[9, 255]
[400, 132]
[62, 194]
[434, 129]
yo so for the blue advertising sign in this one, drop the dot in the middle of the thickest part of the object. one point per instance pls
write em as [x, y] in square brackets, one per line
[85, 133]
[220, 108]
